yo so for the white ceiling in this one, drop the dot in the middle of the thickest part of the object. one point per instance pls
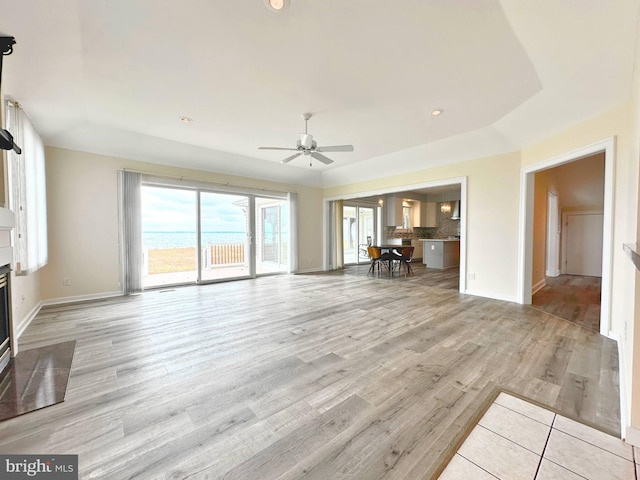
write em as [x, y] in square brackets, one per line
[115, 76]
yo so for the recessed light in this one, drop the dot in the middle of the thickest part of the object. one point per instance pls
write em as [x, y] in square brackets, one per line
[186, 119]
[436, 112]
[275, 5]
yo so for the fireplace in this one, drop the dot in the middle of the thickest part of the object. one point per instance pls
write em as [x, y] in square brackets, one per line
[5, 275]
[6, 257]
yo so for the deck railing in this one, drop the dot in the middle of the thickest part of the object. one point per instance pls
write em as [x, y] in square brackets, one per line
[183, 259]
[223, 254]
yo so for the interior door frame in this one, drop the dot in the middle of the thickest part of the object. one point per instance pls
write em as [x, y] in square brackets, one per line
[553, 234]
[525, 253]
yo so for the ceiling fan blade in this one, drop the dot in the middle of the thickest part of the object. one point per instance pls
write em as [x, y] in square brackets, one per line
[322, 158]
[276, 148]
[335, 148]
[288, 159]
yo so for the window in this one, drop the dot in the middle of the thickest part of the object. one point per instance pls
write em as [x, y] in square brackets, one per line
[406, 217]
[27, 193]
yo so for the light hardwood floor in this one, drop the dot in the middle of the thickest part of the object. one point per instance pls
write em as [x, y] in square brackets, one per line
[321, 376]
[573, 297]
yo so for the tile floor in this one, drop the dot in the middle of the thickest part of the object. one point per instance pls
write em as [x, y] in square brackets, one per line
[518, 440]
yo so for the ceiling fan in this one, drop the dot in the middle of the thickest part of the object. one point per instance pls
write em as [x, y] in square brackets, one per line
[308, 146]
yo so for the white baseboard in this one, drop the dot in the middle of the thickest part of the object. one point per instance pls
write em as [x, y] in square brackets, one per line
[538, 286]
[624, 412]
[82, 298]
[26, 321]
[555, 273]
[495, 296]
[632, 436]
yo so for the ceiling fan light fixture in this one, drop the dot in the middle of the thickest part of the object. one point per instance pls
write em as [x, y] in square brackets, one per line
[275, 5]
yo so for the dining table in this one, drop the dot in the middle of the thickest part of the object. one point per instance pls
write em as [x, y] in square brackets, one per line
[392, 250]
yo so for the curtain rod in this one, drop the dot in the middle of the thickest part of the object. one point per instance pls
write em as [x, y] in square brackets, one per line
[213, 184]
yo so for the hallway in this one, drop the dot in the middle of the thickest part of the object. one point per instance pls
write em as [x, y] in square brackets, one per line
[572, 297]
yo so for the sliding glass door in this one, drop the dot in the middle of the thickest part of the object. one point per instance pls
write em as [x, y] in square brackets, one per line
[191, 235]
[224, 241]
[358, 230]
[272, 235]
[169, 236]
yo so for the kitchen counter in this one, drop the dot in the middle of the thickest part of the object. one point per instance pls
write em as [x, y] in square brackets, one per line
[441, 253]
[439, 239]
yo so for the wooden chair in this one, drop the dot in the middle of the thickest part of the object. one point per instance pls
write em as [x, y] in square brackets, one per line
[376, 256]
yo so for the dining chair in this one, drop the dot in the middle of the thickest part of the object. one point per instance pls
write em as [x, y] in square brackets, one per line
[405, 258]
[377, 257]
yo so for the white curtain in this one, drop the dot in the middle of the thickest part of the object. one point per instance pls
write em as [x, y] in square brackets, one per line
[27, 192]
[338, 238]
[131, 227]
[293, 232]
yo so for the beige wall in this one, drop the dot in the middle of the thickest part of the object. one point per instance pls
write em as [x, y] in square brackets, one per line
[83, 220]
[492, 216]
[580, 184]
[543, 183]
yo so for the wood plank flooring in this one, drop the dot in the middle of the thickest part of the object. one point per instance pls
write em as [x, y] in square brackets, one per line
[572, 297]
[321, 376]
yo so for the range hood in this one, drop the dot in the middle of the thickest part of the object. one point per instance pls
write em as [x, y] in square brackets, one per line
[455, 214]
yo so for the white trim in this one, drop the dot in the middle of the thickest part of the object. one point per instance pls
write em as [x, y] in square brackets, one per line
[538, 286]
[7, 218]
[495, 296]
[6, 255]
[624, 412]
[565, 219]
[82, 298]
[552, 257]
[26, 321]
[525, 250]
[632, 436]
[190, 184]
[399, 189]
[462, 181]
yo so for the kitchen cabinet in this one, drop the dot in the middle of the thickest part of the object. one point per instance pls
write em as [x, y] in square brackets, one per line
[393, 206]
[441, 253]
[428, 217]
[417, 249]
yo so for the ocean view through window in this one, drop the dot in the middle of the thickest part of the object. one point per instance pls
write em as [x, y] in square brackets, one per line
[191, 235]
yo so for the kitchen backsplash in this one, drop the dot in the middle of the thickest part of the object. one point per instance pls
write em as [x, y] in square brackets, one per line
[446, 228]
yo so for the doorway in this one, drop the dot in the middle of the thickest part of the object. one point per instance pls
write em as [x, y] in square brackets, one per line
[526, 255]
[359, 232]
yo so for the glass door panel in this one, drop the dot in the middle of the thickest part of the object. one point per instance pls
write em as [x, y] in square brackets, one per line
[272, 235]
[358, 231]
[224, 244]
[169, 236]
[350, 234]
[366, 232]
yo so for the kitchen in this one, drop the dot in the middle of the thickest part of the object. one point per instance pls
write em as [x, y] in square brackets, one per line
[429, 221]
